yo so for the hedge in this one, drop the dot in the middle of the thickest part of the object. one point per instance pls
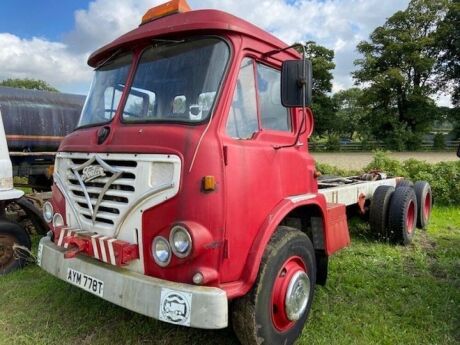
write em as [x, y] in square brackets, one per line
[444, 177]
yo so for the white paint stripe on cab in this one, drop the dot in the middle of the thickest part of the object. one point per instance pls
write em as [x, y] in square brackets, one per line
[103, 251]
[69, 233]
[61, 236]
[111, 251]
[94, 243]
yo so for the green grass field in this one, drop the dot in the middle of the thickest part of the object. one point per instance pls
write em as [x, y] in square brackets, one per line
[376, 294]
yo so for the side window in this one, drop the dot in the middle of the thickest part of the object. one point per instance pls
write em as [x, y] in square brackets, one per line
[242, 120]
[272, 113]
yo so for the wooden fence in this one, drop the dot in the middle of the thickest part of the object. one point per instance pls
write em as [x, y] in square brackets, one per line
[451, 145]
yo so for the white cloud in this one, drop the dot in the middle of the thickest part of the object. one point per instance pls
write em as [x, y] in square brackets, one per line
[443, 100]
[338, 24]
[105, 20]
[40, 59]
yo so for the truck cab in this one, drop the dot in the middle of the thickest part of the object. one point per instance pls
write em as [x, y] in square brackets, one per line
[188, 184]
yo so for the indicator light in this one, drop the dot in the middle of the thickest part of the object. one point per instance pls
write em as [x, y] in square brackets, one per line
[209, 183]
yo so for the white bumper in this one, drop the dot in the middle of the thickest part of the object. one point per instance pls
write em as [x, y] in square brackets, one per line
[207, 306]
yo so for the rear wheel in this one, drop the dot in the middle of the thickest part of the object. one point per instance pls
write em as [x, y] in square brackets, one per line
[277, 307]
[424, 201]
[12, 234]
[378, 213]
[402, 215]
[404, 183]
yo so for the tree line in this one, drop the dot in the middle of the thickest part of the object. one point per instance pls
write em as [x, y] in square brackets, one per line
[405, 62]
[402, 66]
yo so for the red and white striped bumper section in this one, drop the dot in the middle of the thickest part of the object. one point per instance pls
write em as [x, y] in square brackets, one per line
[102, 248]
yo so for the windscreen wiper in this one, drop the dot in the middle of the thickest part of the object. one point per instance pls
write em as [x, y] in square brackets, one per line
[110, 58]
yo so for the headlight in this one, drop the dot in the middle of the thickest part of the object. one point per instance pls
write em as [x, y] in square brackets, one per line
[161, 251]
[58, 220]
[180, 240]
[48, 212]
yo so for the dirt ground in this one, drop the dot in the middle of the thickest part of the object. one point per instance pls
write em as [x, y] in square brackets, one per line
[357, 160]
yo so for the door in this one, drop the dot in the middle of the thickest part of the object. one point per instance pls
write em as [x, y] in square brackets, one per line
[257, 176]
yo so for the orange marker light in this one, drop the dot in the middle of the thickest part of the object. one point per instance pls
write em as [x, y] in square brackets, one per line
[170, 7]
[209, 183]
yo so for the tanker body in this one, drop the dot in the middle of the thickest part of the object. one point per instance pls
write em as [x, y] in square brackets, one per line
[35, 123]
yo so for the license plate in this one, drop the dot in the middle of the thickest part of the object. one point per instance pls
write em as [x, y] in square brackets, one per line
[85, 282]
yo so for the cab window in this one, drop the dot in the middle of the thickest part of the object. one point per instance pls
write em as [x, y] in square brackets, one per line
[272, 113]
[242, 120]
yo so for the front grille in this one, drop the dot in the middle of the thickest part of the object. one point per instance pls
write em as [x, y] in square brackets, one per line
[102, 189]
[115, 198]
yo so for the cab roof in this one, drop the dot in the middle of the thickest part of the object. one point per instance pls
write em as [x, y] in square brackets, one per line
[193, 21]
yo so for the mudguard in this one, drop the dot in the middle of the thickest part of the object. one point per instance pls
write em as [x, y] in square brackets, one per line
[266, 231]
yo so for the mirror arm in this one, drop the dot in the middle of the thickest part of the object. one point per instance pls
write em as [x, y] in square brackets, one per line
[302, 82]
[276, 51]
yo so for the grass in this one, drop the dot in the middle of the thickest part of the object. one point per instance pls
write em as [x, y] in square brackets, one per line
[376, 294]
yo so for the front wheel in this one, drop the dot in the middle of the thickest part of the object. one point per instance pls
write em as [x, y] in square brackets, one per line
[277, 307]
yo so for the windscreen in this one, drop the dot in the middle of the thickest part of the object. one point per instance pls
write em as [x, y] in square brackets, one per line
[177, 81]
[106, 90]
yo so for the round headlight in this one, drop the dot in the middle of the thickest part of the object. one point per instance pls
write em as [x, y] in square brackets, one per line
[48, 212]
[58, 220]
[161, 251]
[181, 241]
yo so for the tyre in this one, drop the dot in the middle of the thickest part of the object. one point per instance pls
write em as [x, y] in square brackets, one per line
[404, 183]
[276, 309]
[11, 234]
[322, 263]
[378, 212]
[424, 201]
[402, 216]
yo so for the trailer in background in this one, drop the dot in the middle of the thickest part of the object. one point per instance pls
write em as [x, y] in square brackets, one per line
[35, 122]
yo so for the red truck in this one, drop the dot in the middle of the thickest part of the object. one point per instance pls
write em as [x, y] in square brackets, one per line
[187, 192]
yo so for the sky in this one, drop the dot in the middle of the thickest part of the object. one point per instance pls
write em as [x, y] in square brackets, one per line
[52, 39]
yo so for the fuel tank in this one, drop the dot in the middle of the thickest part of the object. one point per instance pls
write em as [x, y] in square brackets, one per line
[37, 121]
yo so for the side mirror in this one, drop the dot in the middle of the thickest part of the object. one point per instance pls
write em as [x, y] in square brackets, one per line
[293, 79]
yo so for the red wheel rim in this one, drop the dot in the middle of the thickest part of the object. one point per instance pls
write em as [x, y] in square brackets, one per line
[290, 268]
[427, 206]
[410, 219]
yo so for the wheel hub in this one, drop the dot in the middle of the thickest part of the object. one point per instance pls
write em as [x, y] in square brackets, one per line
[290, 294]
[410, 220]
[6, 249]
[427, 207]
[297, 295]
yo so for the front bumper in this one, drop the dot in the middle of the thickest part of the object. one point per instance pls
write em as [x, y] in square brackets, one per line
[203, 307]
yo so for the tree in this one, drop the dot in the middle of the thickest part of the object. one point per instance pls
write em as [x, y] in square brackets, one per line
[399, 76]
[322, 105]
[350, 112]
[448, 65]
[28, 84]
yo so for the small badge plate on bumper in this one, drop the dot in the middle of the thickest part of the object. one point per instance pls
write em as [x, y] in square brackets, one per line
[85, 282]
[175, 307]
